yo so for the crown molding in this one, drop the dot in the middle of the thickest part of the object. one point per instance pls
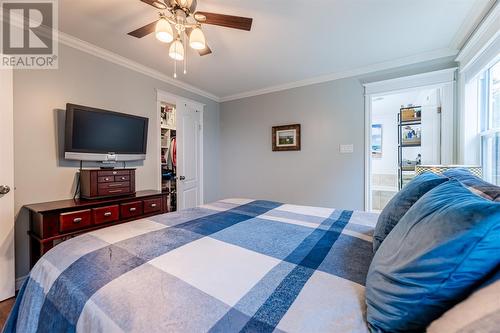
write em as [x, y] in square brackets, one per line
[471, 23]
[117, 59]
[422, 57]
[439, 77]
[485, 34]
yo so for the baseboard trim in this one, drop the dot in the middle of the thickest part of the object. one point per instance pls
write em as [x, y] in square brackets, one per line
[20, 281]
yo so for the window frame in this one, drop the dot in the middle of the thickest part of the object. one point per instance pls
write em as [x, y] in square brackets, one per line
[486, 129]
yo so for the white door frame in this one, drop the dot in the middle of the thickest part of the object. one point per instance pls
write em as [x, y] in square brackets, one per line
[7, 256]
[438, 79]
[169, 98]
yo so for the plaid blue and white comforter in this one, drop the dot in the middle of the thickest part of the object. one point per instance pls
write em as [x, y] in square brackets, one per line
[232, 266]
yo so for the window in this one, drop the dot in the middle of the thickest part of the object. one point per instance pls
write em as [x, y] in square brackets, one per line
[489, 106]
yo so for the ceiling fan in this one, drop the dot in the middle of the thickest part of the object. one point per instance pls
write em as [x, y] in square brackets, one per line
[187, 24]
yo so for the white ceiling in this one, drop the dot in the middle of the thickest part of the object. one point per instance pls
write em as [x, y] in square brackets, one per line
[291, 40]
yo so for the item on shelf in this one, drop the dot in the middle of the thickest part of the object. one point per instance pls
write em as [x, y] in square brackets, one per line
[173, 152]
[163, 117]
[168, 117]
[413, 113]
[411, 136]
[163, 156]
[409, 165]
[167, 175]
[165, 138]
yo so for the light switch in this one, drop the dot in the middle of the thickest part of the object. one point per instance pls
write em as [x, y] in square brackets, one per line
[346, 149]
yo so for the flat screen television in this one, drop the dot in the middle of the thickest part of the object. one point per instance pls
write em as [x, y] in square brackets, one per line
[104, 136]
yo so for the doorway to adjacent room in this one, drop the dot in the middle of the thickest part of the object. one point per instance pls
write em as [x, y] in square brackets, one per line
[410, 122]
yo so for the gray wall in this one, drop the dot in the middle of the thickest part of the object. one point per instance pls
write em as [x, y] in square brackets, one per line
[39, 98]
[330, 113]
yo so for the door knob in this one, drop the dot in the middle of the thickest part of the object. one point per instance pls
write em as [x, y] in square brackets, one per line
[4, 189]
[182, 178]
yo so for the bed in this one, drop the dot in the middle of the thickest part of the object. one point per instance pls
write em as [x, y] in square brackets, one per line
[235, 265]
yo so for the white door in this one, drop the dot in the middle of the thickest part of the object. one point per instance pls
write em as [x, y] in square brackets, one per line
[189, 130]
[7, 269]
[431, 135]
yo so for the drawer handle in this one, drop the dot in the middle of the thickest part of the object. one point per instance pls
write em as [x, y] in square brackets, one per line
[106, 179]
[115, 185]
[114, 172]
[77, 220]
[124, 178]
[132, 209]
[108, 214]
[114, 191]
[153, 205]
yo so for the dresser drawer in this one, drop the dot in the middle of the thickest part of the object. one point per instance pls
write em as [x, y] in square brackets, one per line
[152, 205]
[106, 214]
[105, 179]
[103, 186]
[74, 220]
[113, 173]
[113, 191]
[131, 209]
[124, 178]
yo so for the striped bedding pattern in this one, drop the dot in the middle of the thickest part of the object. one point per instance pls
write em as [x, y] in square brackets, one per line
[235, 265]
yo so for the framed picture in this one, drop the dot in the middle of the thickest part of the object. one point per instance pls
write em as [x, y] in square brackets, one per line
[377, 140]
[286, 138]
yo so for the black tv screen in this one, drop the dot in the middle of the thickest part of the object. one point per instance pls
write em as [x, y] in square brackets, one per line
[95, 131]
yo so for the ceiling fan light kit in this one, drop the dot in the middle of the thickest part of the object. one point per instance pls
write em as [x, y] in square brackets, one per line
[164, 32]
[197, 39]
[182, 16]
[176, 51]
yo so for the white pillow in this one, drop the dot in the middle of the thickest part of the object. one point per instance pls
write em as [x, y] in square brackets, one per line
[479, 313]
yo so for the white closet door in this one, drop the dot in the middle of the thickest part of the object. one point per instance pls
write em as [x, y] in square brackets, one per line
[431, 135]
[7, 269]
[188, 156]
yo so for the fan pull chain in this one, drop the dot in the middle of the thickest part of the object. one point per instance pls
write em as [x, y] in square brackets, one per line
[175, 69]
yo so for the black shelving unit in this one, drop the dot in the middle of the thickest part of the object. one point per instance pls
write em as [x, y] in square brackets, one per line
[403, 121]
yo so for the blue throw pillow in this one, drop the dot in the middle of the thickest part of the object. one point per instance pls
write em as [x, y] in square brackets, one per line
[475, 184]
[401, 202]
[446, 244]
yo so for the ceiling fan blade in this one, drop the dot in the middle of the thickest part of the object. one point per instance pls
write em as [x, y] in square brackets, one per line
[158, 4]
[205, 51]
[228, 21]
[144, 31]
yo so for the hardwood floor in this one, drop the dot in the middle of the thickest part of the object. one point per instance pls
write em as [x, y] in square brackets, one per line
[5, 308]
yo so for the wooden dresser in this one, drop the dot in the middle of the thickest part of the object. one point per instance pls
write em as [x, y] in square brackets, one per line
[56, 221]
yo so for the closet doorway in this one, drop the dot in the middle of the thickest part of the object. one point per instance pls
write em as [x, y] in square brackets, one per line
[180, 153]
[409, 122]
